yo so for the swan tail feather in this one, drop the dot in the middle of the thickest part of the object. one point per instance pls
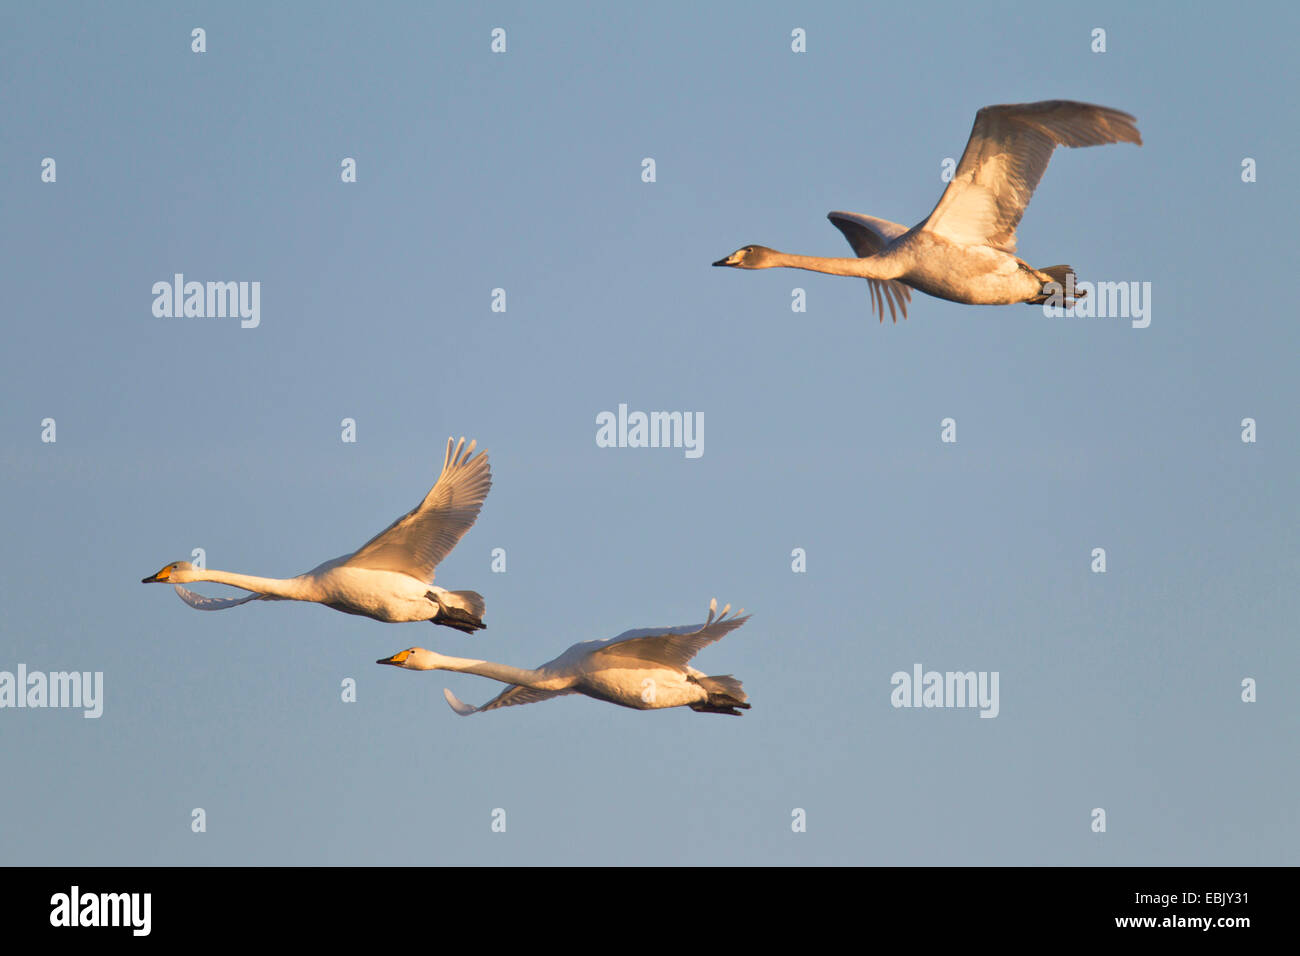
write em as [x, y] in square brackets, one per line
[1065, 278]
[462, 610]
[726, 695]
[470, 601]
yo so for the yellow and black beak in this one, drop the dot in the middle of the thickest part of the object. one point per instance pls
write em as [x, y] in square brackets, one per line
[726, 261]
[162, 575]
[397, 660]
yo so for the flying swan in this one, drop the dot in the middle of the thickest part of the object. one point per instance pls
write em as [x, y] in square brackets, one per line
[390, 578]
[964, 251]
[644, 669]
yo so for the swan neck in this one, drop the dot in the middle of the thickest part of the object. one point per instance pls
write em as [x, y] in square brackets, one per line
[870, 267]
[279, 587]
[502, 672]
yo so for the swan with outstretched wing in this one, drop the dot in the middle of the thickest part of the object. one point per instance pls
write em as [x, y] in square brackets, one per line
[964, 251]
[390, 577]
[645, 669]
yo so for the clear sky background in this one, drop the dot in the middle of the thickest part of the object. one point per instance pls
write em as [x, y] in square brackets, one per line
[822, 431]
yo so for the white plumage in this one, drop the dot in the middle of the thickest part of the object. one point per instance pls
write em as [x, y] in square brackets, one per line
[964, 251]
[646, 669]
[390, 577]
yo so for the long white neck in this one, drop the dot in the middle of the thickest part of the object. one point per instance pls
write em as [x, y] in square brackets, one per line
[295, 589]
[871, 267]
[502, 672]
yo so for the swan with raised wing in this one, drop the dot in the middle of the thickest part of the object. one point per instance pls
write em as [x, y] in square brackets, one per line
[390, 577]
[964, 251]
[646, 669]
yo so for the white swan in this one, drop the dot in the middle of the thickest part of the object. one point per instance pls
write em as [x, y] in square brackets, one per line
[645, 669]
[964, 250]
[390, 577]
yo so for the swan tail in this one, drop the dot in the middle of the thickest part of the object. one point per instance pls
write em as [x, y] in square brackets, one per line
[1065, 280]
[462, 610]
[470, 601]
[726, 695]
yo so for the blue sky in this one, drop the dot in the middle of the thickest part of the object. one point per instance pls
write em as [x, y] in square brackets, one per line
[522, 171]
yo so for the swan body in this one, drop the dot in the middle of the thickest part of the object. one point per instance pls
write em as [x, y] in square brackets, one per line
[645, 669]
[390, 577]
[964, 251]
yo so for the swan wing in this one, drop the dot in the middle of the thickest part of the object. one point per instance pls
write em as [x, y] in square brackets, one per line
[672, 646]
[512, 695]
[1006, 156]
[201, 603]
[866, 234]
[417, 542]
[869, 236]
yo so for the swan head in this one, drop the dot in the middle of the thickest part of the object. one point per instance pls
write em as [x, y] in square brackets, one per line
[176, 571]
[413, 659]
[749, 257]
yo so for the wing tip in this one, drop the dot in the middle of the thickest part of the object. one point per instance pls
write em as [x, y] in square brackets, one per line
[459, 454]
[201, 602]
[739, 617]
[459, 706]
